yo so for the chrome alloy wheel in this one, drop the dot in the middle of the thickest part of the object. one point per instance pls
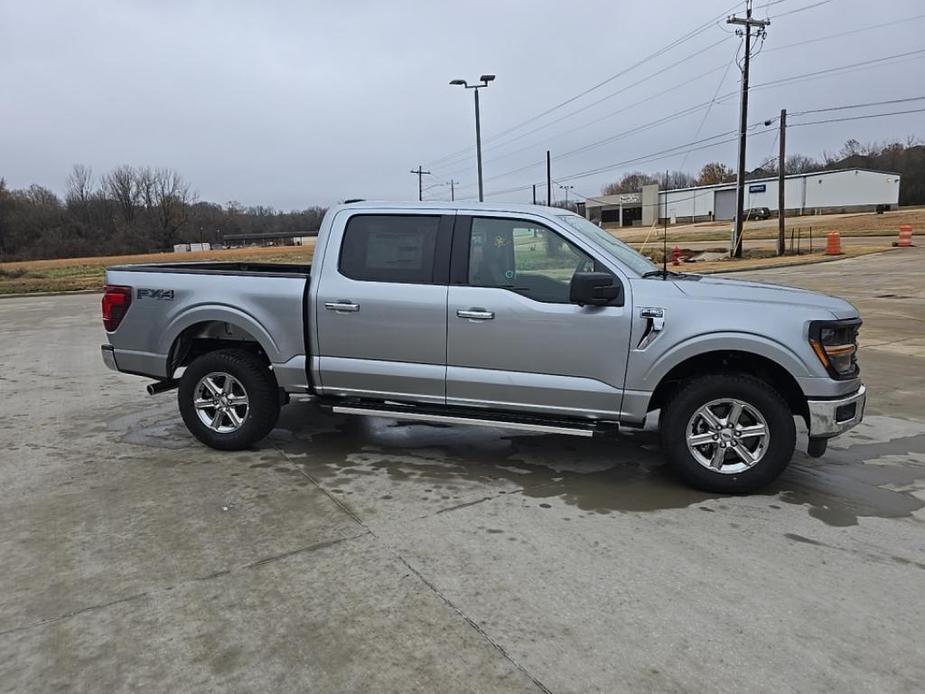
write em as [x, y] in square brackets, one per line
[221, 402]
[728, 436]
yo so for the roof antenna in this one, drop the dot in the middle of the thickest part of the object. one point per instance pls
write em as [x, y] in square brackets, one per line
[665, 234]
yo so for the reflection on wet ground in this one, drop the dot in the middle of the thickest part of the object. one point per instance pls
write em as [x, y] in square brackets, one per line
[869, 477]
[874, 471]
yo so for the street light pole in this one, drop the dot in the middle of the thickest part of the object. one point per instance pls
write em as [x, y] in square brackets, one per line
[566, 189]
[478, 124]
[478, 145]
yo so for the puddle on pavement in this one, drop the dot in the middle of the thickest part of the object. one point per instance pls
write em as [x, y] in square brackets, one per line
[877, 475]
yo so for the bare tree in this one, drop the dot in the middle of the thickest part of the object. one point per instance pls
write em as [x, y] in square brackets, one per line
[79, 186]
[40, 196]
[630, 183]
[172, 197]
[800, 163]
[5, 204]
[121, 185]
[680, 179]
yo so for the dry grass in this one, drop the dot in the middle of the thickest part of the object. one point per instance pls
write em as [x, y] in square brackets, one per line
[848, 225]
[75, 274]
[759, 263]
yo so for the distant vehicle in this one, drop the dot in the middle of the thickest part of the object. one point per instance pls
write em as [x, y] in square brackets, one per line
[757, 213]
[520, 317]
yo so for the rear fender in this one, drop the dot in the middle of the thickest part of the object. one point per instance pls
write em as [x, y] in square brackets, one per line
[224, 314]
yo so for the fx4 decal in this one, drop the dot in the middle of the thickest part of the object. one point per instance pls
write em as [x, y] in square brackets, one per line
[159, 294]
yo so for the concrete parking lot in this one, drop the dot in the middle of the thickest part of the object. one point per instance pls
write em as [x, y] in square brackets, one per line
[349, 554]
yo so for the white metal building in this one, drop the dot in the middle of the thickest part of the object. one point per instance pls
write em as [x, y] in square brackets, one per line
[820, 192]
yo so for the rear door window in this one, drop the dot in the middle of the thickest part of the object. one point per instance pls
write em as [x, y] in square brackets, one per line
[390, 248]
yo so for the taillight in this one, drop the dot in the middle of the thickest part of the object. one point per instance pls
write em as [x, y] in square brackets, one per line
[116, 300]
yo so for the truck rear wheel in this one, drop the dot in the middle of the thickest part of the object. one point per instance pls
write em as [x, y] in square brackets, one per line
[228, 399]
[728, 433]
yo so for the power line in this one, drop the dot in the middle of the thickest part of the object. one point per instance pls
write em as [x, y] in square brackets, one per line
[842, 68]
[864, 117]
[661, 51]
[605, 116]
[704, 143]
[801, 9]
[844, 33]
[710, 105]
[865, 105]
[582, 109]
[720, 99]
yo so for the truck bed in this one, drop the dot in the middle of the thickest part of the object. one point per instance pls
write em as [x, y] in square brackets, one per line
[222, 268]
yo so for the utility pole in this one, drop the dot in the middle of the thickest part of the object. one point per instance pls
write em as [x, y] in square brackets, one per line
[534, 193]
[420, 174]
[747, 22]
[781, 158]
[566, 189]
[452, 189]
[548, 179]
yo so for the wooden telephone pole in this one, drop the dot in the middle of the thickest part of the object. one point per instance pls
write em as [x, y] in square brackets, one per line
[747, 23]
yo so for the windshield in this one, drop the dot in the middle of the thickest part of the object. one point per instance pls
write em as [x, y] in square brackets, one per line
[635, 261]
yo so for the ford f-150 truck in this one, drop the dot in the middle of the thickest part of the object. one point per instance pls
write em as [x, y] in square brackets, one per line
[521, 317]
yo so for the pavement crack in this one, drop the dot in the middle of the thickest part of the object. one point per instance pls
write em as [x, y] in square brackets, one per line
[464, 505]
[472, 623]
[74, 613]
[430, 586]
[302, 550]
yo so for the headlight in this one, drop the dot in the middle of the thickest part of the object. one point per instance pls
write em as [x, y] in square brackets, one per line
[836, 344]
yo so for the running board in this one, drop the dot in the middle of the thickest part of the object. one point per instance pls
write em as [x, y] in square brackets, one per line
[578, 430]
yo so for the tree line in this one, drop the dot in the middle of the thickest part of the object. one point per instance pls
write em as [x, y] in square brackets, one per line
[131, 209]
[905, 158]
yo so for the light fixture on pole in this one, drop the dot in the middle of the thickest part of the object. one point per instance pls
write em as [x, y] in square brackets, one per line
[485, 79]
[566, 189]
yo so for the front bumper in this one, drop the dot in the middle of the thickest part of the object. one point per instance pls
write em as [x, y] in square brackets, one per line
[829, 418]
[109, 357]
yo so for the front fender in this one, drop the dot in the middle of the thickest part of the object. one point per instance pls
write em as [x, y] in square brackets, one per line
[646, 370]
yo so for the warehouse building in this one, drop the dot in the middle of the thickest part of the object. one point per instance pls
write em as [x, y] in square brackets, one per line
[821, 192]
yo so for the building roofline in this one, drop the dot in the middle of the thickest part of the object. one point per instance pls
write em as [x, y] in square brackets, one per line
[775, 178]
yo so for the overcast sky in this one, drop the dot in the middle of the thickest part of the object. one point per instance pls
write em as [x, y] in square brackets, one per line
[298, 103]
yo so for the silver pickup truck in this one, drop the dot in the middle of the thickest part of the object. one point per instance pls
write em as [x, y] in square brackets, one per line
[522, 317]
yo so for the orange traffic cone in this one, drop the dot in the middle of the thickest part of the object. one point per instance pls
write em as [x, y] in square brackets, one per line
[905, 236]
[833, 243]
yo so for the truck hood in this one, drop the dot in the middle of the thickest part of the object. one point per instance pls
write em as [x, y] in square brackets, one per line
[719, 288]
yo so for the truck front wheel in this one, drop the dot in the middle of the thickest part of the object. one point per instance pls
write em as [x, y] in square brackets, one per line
[228, 399]
[728, 433]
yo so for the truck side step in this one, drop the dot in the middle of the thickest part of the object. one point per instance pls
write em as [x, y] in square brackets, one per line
[506, 421]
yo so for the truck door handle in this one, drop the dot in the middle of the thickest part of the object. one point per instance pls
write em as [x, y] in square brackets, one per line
[342, 306]
[475, 314]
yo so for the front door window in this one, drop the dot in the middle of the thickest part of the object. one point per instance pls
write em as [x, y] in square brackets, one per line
[524, 257]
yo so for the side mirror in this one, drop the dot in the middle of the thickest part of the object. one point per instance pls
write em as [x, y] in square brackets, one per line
[595, 289]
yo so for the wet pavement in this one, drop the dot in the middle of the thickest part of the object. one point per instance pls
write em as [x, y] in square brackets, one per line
[365, 554]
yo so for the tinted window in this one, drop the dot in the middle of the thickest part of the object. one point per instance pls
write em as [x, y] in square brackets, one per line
[390, 248]
[524, 257]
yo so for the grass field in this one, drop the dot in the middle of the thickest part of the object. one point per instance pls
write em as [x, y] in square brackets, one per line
[848, 225]
[75, 274]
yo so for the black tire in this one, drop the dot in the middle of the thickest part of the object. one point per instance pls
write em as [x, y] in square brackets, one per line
[259, 385]
[758, 394]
